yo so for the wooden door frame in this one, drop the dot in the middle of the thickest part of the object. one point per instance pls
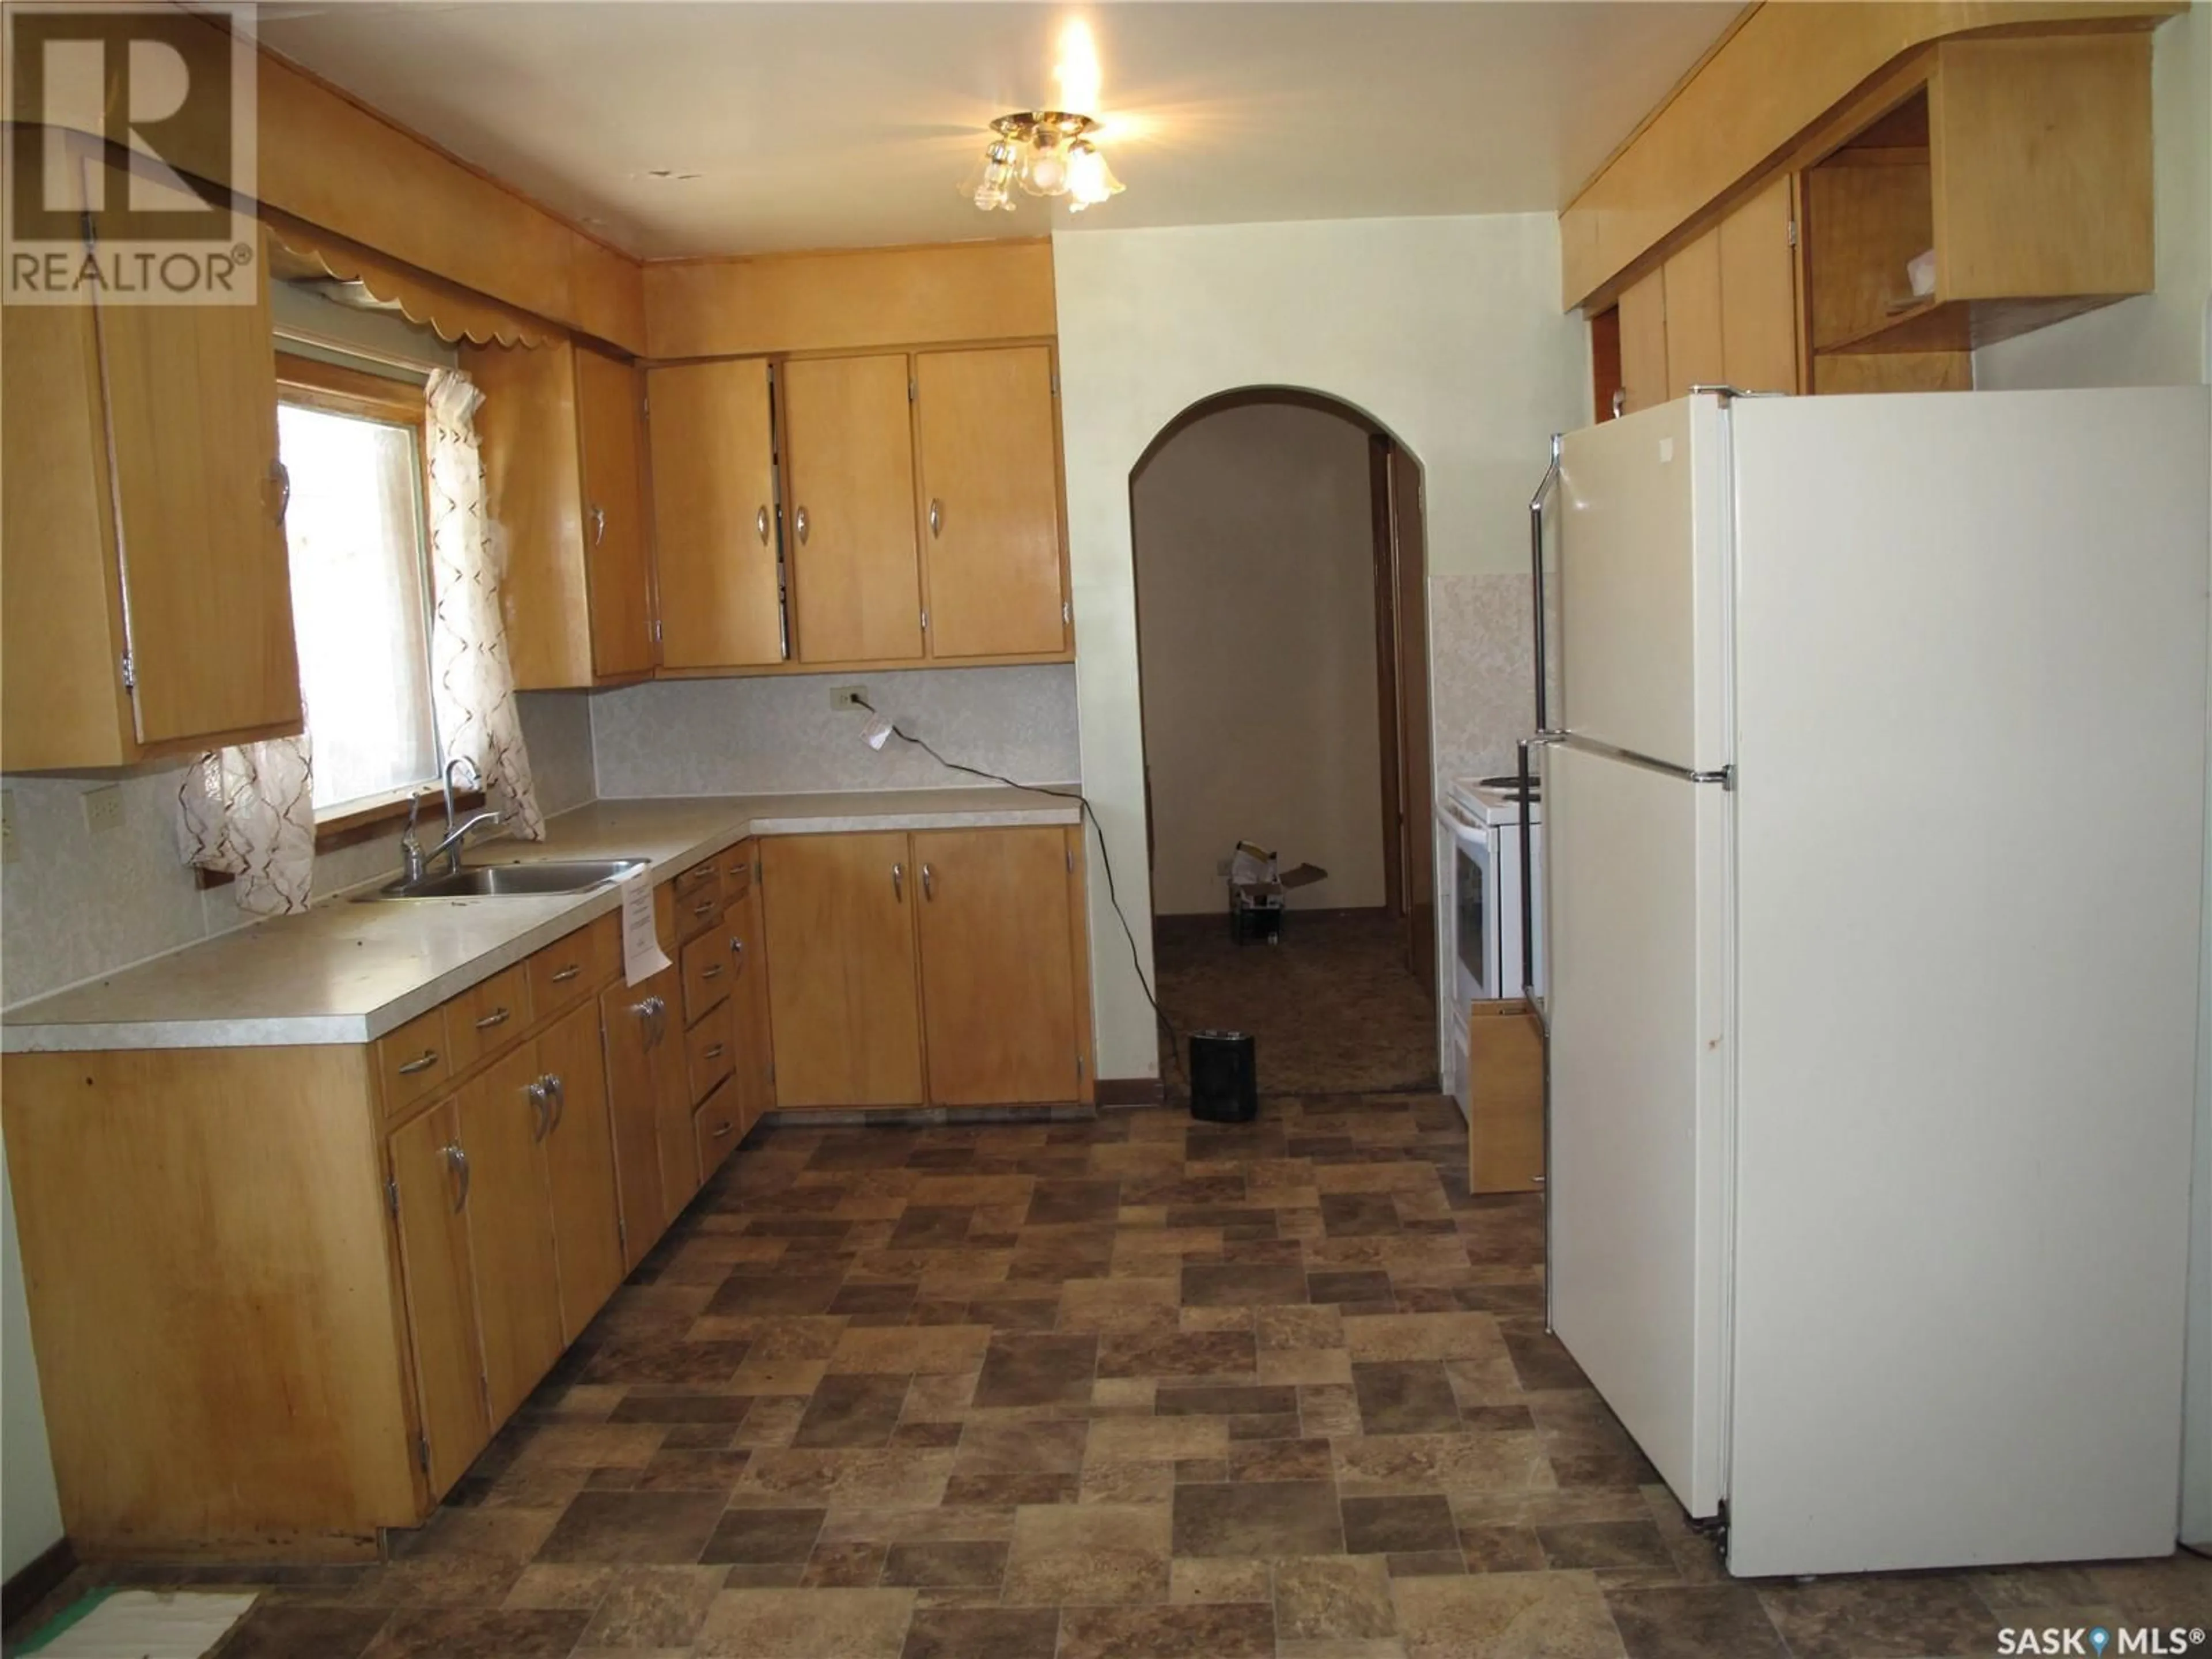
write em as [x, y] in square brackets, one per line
[1400, 656]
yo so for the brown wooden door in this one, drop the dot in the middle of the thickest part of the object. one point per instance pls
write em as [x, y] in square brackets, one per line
[580, 1169]
[1643, 343]
[714, 495]
[617, 549]
[997, 978]
[1759, 292]
[848, 458]
[1693, 281]
[511, 1228]
[842, 990]
[990, 489]
[441, 1307]
[631, 1020]
[1416, 784]
[192, 407]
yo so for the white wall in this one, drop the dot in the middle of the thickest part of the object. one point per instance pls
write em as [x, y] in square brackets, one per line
[1255, 570]
[1447, 331]
[2161, 340]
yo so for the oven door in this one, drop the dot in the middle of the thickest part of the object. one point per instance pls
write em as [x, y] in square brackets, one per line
[1475, 898]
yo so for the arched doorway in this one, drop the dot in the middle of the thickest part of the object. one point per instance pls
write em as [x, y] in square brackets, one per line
[1283, 674]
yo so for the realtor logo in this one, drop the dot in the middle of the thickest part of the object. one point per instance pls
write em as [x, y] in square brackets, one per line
[128, 155]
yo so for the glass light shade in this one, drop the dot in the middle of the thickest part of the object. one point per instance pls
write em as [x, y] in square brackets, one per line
[1044, 169]
[990, 185]
[1089, 180]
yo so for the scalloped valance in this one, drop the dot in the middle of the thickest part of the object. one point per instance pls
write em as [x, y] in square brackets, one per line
[300, 251]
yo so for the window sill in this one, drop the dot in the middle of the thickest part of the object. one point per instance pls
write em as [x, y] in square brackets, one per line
[358, 821]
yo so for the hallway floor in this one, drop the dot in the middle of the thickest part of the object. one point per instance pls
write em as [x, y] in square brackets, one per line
[1137, 1389]
[1332, 1006]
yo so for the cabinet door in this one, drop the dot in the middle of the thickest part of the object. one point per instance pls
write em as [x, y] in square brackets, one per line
[997, 978]
[511, 1228]
[714, 498]
[580, 1169]
[1692, 279]
[428, 1168]
[191, 407]
[617, 556]
[1643, 343]
[990, 485]
[671, 1111]
[856, 579]
[534, 492]
[842, 984]
[1759, 293]
[632, 1018]
[756, 1072]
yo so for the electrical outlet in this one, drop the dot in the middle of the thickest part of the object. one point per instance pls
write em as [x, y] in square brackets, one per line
[7, 826]
[103, 809]
[848, 696]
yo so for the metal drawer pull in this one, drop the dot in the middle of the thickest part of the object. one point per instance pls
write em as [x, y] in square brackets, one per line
[760, 525]
[422, 1062]
[724, 1130]
[458, 1161]
[497, 1017]
[703, 908]
[898, 882]
[569, 973]
[713, 1051]
[714, 972]
[929, 881]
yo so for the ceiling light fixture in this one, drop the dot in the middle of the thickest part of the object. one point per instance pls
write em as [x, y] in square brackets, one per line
[1043, 152]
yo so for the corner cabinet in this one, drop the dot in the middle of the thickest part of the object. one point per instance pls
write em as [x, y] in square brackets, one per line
[562, 427]
[148, 601]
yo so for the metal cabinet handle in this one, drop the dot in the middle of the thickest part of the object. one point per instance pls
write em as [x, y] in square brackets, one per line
[540, 1098]
[1619, 401]
[653, 1011]
[798, 523]
[714, 972]
[703, 908]
[929, 881]
[497, 1017]
[558, 1091]
[281, 476]
[898, 882]
[724, 1131]
[599, 525]
[712, 1051]
[737, 950]
[569, 973]
[760, 525]
[458, 1162]
[936, 516]
[422, 1062]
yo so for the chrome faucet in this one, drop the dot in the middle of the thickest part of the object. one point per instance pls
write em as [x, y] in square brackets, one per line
[476, 781]
[450, 848]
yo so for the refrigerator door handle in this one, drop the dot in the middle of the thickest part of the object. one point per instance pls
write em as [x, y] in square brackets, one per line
[1725, 777]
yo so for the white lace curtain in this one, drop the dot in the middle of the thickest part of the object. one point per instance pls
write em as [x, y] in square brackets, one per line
[471, 680]
[249, 812]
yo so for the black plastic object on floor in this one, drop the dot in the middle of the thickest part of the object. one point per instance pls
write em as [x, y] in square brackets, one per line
[1224, 1076]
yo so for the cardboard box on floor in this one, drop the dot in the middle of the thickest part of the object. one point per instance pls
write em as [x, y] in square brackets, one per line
[1258, 881]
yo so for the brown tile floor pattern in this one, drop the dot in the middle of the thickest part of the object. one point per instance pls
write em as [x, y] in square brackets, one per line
[1140, 1389]
[1332, 1006]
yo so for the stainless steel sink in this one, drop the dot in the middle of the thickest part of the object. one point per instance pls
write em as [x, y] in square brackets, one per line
[489, 880]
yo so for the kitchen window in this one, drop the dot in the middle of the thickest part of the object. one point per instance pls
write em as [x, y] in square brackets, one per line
[352, 443]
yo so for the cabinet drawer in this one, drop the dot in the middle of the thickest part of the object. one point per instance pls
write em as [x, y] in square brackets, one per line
[716, 1126]
[707, 975]
[484, 1018]
[414, 1059]
[738, 873]
[573, 968]
[710, 1050]
[698, 896]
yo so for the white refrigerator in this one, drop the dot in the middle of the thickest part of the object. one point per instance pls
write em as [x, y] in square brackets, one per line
[1875, 797]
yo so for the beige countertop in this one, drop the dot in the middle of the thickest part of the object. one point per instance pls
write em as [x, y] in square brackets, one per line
[348, 972]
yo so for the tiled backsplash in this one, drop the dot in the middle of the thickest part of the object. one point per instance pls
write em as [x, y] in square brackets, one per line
[778, 733]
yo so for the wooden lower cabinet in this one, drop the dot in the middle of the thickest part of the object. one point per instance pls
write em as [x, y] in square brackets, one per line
[511, 1228]
[998, 1016]
[431, 1210]
[936, 969]
[750, 1019]
[580, 1170]
[635, 1022]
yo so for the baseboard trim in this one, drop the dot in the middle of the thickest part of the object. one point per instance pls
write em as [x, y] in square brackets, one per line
[1220, 918]
[35, 1582]
[1114, 1091]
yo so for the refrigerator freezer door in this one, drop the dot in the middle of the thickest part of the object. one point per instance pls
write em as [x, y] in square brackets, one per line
[1970, 704]
[1643, 584]
[1640, 1064]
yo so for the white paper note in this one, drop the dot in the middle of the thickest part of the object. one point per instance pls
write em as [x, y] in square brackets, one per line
[643, 957]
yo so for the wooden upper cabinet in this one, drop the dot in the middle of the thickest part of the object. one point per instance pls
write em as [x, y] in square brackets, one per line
[618, 537]
[714, 514]
[1692, 283]
[856, 576]
[998, 991]
[1643, 343]
[559, 427]
[142, 515]
[990, 488]
[1758, 291]
[842, 992]
[442, 1303]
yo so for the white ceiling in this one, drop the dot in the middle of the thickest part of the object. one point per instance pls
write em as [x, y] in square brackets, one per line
[848, 123]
